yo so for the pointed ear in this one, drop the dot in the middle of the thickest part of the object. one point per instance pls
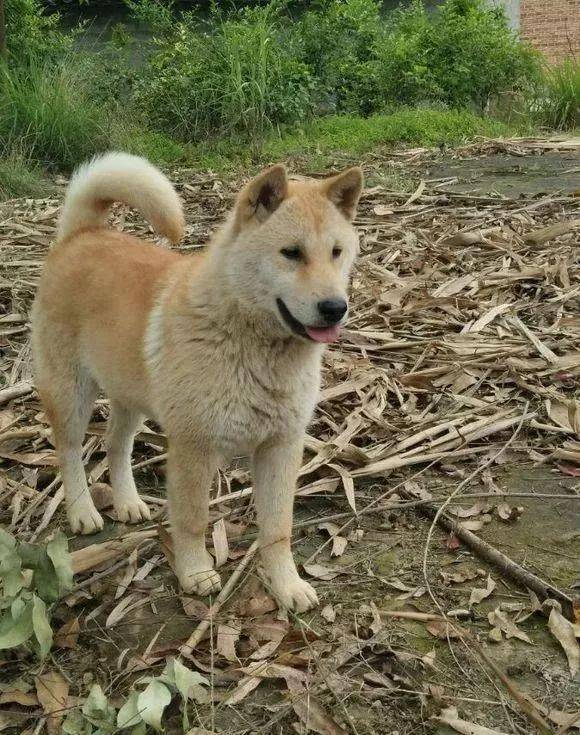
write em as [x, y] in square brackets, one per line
[344, 190]
[262, 195]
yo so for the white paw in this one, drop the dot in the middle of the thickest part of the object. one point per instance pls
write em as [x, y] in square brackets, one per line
[84, 519]
[197, 576]
[132, 511]
[294, 594]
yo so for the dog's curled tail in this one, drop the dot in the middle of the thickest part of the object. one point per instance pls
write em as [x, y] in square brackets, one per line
[120, 177]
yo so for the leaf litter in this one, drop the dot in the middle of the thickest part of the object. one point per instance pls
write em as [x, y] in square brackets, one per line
[464, 325]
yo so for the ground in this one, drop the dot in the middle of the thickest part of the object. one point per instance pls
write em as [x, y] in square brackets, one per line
[456, 385]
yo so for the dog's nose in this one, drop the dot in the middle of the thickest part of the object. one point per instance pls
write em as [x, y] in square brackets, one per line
[332, 310]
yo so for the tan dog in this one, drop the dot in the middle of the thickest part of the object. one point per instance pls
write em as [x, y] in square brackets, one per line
[223, 349]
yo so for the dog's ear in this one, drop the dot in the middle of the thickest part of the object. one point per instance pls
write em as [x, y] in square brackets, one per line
[344, 190]
[262, 195]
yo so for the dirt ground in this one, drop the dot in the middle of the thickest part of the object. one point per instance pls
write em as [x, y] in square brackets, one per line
[454, 388]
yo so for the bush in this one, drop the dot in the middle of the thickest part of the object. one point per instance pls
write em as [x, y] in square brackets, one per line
[31, 34]
[242, 75]
[462, 54]
[557, 103]
[339, 42]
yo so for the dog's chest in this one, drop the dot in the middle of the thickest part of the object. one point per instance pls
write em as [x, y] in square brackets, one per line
[254, 401]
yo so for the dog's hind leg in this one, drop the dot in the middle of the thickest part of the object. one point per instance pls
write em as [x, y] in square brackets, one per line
[121, 429]
[68, 394]
[190, 472]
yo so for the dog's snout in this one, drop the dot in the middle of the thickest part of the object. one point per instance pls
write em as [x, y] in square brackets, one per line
[332, 310]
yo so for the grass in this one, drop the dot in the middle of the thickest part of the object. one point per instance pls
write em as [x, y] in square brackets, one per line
[558, 102]
[317, 144]
[20, 177]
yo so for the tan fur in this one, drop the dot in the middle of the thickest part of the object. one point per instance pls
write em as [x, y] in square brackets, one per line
[196, 342]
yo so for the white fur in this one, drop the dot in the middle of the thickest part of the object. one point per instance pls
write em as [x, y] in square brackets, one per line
[120, 177]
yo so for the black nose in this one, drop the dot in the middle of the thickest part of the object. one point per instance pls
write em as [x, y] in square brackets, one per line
[332, 310]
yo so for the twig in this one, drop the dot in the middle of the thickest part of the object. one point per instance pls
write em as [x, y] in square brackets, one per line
[199, 632]
[15, 391]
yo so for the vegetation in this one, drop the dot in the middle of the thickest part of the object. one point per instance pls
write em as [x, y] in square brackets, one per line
[262, 81]
[557, 102]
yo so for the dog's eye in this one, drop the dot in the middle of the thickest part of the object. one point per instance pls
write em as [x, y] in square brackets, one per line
[291, 253]
[336, 252]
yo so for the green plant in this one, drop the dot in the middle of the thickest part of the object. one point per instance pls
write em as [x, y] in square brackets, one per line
[32, 34]
[33, 578]
[240, 75]
[19, 176]
[47, 107]
[143, 707]
[339, 40]
[557, 100]
[461, 54]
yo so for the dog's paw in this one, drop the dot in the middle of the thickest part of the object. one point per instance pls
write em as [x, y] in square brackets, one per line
[295, 594]
[197, 576]
[133, 511]
[84, 519]
[203, 583]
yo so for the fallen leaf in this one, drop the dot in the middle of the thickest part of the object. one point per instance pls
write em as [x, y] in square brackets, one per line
[244, 687]
[259, 604]
[318, 571]
[194, 608]
[478, 593]
[227, 636]
[220, 542]
[152, 702]
[328, 613]
[311, 712]
[68, 634]
[498, 620]
[441, 629]
[450, 717]
[102, 495]
[563, 631]
[52, 692]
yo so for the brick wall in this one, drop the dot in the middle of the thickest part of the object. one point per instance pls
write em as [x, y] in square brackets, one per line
[552, 26]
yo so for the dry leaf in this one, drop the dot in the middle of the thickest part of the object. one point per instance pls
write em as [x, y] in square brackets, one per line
[563, 631]
[442, 630]
[449, 717]
[328, 613]
[498, 620]
[220, 542]
[227, 636]
[478, 593]
[68, 634]
[319, 571]
[311, 712]
[52, 691]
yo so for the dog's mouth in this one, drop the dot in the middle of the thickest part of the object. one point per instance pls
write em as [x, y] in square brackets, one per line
[315, 334]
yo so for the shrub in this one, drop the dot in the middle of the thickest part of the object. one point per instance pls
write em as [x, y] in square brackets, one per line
[32, 34]
[339, 41]
[241, 75]
[463, 53]
[557, 103]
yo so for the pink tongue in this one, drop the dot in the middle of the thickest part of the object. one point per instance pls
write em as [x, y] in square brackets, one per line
[323, 334]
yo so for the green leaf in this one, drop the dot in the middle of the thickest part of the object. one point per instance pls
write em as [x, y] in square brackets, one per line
[7, 540]
[10, 572]
[129, 715]
[45, 579]
[140, 729]
[187, 681]
[42, 629]
[152, 702]
[75, 724]
[57, 550]
[97, 708]
[14, 631]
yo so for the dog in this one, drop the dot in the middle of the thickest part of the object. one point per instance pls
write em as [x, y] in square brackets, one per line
[222, 348]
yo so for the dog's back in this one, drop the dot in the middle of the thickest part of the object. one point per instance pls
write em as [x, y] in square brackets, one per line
[98, 285]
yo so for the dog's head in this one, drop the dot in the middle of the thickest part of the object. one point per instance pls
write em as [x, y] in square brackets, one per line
[291, 247]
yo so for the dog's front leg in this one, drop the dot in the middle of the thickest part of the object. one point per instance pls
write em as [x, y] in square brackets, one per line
[190, 472]
[275, 471]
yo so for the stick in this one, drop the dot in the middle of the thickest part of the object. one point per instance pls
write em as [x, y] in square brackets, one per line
[15, 391]
[199, 632]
